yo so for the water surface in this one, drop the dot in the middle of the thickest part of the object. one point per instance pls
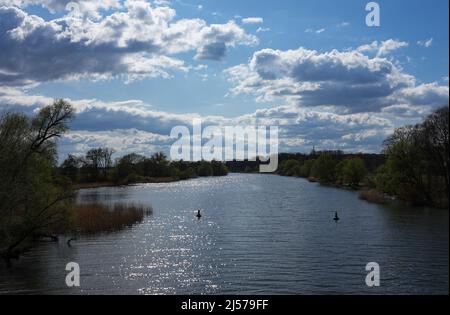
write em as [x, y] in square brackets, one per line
[260, 234]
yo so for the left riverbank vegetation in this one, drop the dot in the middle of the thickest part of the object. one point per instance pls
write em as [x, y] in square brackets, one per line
[37, 195]
[34, 197]
[413, 165]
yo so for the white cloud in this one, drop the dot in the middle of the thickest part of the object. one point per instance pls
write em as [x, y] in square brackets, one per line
[347, 81]
[316, 31]
[343, 24]
[137, 41]
[162, 2]
[425, 43]
[123, 141]
[431, 94]
[253, 20]
[262, 30]
[85, 8]
[133, 126]
[383, 48]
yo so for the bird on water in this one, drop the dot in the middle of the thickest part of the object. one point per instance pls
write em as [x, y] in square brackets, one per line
[199, 215]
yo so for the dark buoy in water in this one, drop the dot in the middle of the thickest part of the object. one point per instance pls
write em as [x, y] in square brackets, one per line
[336, 218]
[199, 215]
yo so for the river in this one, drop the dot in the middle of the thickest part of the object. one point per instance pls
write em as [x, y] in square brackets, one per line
[259, 234]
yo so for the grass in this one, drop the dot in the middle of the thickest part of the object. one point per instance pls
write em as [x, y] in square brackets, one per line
[372, 195]
[98, 218]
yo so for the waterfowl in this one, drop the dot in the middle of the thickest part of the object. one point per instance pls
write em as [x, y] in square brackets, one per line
[199, 215]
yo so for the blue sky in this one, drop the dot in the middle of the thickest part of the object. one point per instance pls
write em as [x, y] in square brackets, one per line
[312, 67]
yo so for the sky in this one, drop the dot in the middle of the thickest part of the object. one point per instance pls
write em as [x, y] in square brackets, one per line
[134, 69]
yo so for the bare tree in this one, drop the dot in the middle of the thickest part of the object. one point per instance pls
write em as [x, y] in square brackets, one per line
[100, 160]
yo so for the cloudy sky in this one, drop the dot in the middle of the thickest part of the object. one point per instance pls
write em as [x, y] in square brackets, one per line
[134, 69]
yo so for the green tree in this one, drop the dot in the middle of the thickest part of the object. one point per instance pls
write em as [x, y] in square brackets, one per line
[188, 173]
[305, 169]
[205, 169]
[290, 168]
[219, 169]
[158, 165]
[417, 166]
[351, 171]
[402, 175]
[323, 169]
[33, 198]
[126, 166]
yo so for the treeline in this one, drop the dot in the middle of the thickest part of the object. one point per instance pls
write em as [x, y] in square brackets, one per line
[371, 161]
[328, 168]
[97, 166]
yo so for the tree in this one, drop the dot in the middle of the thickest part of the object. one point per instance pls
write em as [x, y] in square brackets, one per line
[32, 197]
[219, 169]
[160, 158]
[93, 163]
[70, 167]
[205, 169]
[188, 173]
[351, 171]
[158, 165]
[433, 136]
[402, 173]
[305, 169]
[290, 168]
[99, 161]
[417, 163]
[128, 165]
[323, 168]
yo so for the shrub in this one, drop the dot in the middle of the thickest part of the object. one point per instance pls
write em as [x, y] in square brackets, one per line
[372, 195]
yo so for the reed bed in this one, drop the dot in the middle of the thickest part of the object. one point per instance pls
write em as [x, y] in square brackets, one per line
[372, 195]
[99, 218]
